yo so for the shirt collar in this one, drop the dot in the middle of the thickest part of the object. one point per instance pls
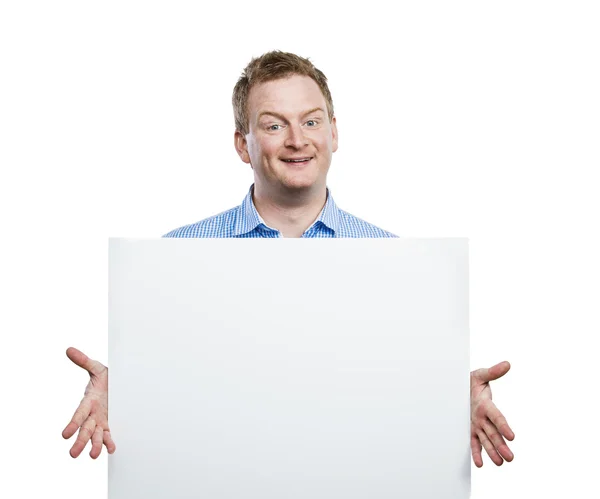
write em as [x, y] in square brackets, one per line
[248, 218]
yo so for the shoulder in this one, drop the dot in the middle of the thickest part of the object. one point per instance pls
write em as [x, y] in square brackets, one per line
[351, 226]
[220, 225]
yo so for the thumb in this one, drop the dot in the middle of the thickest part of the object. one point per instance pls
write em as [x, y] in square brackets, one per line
[82, 360]
[488, 374]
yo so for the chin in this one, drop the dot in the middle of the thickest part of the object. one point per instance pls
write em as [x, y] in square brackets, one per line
[300, 184]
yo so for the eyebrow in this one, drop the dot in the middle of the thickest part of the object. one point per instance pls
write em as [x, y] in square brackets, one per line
[281, 117]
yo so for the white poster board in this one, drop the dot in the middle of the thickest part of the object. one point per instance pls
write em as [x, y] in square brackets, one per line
[289, 368]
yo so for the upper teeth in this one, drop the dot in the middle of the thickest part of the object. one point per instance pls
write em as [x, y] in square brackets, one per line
[296, 160]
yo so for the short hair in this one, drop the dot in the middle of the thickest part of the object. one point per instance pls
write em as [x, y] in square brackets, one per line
[271, 66]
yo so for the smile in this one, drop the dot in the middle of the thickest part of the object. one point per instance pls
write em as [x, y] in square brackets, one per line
[297, 161]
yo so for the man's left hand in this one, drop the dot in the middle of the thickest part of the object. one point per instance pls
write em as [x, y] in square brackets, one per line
[488, 425]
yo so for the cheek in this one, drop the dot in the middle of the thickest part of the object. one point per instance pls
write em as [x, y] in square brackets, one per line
[324, 143]
[269, 149]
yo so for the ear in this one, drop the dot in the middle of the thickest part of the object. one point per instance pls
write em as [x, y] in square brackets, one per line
[334, 132]
[241, 146]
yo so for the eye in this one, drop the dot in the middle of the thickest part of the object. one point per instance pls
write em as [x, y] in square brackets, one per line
[314, 123]
[274, 127]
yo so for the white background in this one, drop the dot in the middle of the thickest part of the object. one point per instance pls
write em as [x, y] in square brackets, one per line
[468, 119]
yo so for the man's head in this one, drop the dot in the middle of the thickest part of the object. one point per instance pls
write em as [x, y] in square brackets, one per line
[271, 66]
[284, 113]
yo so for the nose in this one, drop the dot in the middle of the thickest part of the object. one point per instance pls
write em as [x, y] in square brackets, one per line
[295, 137]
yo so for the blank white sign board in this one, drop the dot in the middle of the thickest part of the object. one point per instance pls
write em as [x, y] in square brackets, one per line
[289, 368]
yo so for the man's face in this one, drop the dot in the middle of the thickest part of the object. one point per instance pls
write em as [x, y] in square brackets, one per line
[288, 121]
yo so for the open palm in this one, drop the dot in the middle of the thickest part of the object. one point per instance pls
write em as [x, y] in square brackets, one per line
[91, 417]
[488, 425]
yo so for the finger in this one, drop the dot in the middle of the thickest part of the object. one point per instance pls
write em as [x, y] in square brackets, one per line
[489, 448]
[85, 433]
[96, 442]
[499, 421]
[81, 414]
[82, 360]
[497, 440]
[476, 450]
[486, 374]
[108, 441]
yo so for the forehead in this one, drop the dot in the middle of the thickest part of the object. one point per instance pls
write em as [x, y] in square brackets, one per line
[287, 96]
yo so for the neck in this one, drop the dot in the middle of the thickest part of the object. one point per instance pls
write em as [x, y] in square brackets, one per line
[291, 214]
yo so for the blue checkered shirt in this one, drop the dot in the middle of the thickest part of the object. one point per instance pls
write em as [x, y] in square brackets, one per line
[244, 221]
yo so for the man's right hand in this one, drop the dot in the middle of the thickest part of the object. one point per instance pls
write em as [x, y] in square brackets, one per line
[91, 417]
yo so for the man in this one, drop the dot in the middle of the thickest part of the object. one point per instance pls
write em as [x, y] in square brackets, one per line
[286, 131]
